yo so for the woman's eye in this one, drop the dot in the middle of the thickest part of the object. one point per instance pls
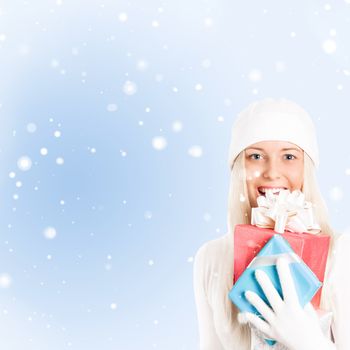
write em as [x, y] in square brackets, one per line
[255, 156]
[290, 156]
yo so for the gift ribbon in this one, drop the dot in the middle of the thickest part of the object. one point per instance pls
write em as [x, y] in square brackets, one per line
[268, 260]
[284, 211]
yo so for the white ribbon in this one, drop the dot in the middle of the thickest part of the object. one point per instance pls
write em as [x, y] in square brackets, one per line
[269, 260]
[285, 211]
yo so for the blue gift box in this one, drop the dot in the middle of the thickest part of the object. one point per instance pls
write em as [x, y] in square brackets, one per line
[306, 282]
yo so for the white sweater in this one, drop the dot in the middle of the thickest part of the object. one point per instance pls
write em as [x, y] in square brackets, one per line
[217, 315]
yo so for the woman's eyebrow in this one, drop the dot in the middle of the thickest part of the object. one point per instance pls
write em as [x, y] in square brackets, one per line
[260, 149]
[291, 148]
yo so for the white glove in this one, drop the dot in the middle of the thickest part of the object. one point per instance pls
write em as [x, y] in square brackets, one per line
[287, 322]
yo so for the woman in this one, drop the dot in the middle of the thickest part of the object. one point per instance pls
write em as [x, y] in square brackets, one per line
[274, 146]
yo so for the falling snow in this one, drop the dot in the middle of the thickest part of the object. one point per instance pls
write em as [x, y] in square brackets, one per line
[93, 219]
[24, 163]
[195, 151]
[159, 143]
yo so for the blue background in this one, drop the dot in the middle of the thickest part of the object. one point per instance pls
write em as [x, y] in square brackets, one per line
[118, 273]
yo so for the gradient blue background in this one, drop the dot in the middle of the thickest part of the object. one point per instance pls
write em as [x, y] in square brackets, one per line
[133, 215]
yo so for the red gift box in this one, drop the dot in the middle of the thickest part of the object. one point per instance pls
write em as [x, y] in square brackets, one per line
[311, 248]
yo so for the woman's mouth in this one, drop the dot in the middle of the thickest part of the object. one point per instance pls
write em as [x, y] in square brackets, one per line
[275, 190]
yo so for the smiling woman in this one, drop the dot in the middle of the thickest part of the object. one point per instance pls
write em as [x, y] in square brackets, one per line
[273, 147]
[273, 165]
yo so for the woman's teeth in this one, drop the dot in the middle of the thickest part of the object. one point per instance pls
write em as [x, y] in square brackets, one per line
[276, 190]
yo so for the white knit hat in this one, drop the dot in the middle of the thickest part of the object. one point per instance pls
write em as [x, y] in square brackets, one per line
[273, 120]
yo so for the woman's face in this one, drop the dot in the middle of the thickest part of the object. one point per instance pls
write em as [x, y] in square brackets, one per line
[273, 165]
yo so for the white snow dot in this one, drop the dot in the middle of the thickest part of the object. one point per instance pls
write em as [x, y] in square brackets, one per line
[59, 161]
[5, 280]
[57, 133]
[159, 143]
[24, 163]
[62, 202]
[175, 89]
[257, 173]
[12, 175]
[206, 63]
[112, 107]
[123, 17]
[293, 34]
[147, 215]
[241, 198]
[206, 217]
[44, 151]
[155, 24]
[340, 87]
[195, 151]
[336, 193]
[15, 196]
[227, 102]
[49, 257]
[329, 46]
[147, 109]
[150, 262]
[155, 322]
[123, 153]
[93, 150]
[220, 119]
[50, 232]
[113, 306]
[280, 67]
[177, 126]
[158, 78]
[75, 51]
[2, 37]
[190, 259]
[198, 87]
[142, 65]
[255, 75]
[327, 7]
[18, 184]
[54, 63]
[347, 1]
[347, 171]
[208, 22]
[31, 127]
[129, 88]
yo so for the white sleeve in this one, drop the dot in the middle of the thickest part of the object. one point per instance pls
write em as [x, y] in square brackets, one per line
[340, 291]
[208, 339]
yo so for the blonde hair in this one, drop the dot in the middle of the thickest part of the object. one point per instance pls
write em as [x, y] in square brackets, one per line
[239, 210]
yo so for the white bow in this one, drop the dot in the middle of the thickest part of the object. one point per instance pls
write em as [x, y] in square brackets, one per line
[285, 211]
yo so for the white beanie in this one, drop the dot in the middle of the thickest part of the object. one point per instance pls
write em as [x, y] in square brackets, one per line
[273, 120]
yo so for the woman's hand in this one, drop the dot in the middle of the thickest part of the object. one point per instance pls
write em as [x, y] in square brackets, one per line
[286, 321]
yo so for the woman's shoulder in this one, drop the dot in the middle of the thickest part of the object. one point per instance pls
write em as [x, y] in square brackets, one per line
[340, 256]
[215, 249]
[341, 245]
[342, 237]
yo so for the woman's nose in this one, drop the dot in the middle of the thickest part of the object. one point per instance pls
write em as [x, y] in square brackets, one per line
[272, 170]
